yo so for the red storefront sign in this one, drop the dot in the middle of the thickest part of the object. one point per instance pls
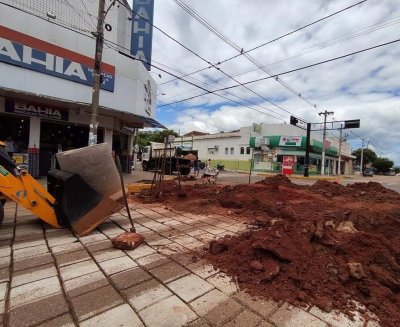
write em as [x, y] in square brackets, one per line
[287, 165]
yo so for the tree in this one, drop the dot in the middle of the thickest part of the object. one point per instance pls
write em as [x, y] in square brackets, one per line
[145, 137]
[383, 164]
[369, 156]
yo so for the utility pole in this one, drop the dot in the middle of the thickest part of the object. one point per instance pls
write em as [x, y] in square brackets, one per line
[362, 156]
[325, 113]
[97, 73]
[340, 150]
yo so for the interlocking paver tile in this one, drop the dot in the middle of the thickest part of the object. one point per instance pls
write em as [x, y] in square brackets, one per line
[56, 241]
[78, 269]
[153, 260]
[108, 254]
[202, 269]
[5, 261]
[4, 275]
[61, 321]
[71, 257]
[199, 323]
[338, 319]
[208, 301]
[85, 283]
[31, 292]
[224, 283]
[261, 306]
[195, 245]
[146, 293]
[32, 274]
[169, 272]
[35, 261]
[184, 239]
[101, 245]
[265, 323]
[92, 303]
[288, 316]
[116, 265]
[122, 315]
[244, 318]
[31, 251]
[21, 245]
[130, 278]
[171, 312]
[3, 291]
[224, 312]
[38, 310]
[67, 248]
[93, 237]
[190, 287]
[140, 251]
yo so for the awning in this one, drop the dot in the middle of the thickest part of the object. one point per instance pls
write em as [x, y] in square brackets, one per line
[127, 117]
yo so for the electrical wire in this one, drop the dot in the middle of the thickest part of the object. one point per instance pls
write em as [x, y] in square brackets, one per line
[292, 70]
[185, 7]
[205, 60]
[219, 34]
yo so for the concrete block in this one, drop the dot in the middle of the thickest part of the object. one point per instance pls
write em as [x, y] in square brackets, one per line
[208, 301]
[122, 315]
[190, 287]
[78, 269]
[117, 265]
[287, 316]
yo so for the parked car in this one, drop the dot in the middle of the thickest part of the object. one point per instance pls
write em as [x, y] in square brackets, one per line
[368, 172]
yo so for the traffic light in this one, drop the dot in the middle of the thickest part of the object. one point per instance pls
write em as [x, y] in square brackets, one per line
[293, 120]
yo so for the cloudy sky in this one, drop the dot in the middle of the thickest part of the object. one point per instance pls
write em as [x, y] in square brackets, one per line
[364, 86]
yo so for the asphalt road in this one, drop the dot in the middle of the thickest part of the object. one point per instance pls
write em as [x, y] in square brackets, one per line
[232, 177]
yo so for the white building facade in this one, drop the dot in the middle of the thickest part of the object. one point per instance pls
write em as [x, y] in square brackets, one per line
[264, 146]
[46, 63]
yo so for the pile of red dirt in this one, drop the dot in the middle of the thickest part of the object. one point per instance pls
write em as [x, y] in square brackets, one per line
[327, 244]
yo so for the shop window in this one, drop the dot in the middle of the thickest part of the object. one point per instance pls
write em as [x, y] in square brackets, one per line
[226, 151]
[248, 150]
[232, 151]
[241, 150]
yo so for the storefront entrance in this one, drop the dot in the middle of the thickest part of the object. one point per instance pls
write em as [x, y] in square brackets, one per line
[56, 137]
[16, 130]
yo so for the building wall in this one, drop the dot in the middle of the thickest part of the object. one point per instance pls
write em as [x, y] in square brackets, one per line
[264, 161]
[130, 76]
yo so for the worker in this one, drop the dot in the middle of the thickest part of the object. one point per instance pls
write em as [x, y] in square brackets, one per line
[196, 167]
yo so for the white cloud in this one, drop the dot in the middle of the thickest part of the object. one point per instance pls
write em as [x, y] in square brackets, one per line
[363, 87]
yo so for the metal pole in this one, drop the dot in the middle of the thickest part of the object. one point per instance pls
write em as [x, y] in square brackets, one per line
[96, 74]
[307, 158]
[362, 157]
[326, 113]
[340, 150]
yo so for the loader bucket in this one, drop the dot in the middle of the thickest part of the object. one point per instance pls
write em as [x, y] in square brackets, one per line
[74, 197]
[87, 187]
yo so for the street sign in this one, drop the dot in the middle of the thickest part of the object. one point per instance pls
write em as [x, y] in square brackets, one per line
[352, 123]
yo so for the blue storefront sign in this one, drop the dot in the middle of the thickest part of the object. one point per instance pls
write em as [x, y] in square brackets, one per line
[25, 51]
[142, 30]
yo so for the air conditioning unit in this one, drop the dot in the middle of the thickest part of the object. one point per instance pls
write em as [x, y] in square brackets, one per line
[216, 147]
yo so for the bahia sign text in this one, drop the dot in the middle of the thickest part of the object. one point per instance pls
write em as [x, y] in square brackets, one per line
[25, 51]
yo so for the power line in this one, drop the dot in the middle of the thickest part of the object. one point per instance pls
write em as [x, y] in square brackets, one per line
[205, 60]
[192, 12]
[292, 70]
[219, 34]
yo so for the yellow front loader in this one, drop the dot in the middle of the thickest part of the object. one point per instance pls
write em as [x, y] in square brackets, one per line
[68, 201]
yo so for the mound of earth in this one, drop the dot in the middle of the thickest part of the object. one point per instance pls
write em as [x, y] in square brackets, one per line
[326, 244]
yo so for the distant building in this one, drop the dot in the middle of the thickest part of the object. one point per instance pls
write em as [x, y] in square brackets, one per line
[267, 145]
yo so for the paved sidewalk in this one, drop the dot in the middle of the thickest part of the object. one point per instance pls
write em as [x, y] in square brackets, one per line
[50, 277]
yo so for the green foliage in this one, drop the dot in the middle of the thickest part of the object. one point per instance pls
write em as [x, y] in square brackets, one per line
[146, 137]
[369, 156]
[383, 164]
